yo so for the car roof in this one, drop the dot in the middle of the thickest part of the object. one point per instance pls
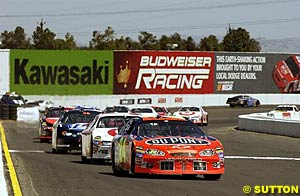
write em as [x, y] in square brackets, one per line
[162, 118]
[116, 114]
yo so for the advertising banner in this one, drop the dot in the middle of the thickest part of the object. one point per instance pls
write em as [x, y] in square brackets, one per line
[61, 72]
[163, 72]
[255, 73]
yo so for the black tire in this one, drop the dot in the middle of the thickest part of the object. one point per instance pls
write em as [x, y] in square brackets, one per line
[231, 105]
[257, 104]
[189, 176]
[115, 170]
[212, 176]
[132, 164]
[85, 160]
[54, 150]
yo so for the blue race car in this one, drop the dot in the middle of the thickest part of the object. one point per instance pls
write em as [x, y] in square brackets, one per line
[66, 134]
[243, 100]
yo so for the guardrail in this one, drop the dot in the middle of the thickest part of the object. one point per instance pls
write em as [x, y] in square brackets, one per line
[260, 122]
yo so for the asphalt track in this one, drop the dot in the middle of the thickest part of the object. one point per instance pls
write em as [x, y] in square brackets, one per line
[249, 162]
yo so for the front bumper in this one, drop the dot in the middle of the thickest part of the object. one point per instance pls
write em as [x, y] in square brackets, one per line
[179, 166]
[69, 142]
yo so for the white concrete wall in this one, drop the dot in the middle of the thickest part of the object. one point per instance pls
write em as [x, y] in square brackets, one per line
[4, 71]
[102, 101]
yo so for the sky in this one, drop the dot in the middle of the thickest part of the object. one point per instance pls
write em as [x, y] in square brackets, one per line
[269, 19]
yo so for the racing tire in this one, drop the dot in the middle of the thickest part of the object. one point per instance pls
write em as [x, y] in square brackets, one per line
[54, 150]
[116, 171]
[132, 164]
[212, 176]
[257, 103]
[85, 160]
[189, 176]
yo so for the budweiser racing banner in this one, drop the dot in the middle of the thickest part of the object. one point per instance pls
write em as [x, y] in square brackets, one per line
[163, 72]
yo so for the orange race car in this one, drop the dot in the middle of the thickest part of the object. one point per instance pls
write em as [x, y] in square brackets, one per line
[166, 145]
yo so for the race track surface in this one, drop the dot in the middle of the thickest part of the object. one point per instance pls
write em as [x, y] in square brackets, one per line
[40, 172]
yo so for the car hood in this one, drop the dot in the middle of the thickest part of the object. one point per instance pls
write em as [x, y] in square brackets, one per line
[177, 142]
[106, 134]
[187, 114]
[76, 126]
[51, 120]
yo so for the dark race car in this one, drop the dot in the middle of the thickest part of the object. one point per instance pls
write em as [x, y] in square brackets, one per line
[12, 98]
[243, 100]
[66, 134]
[50, 116]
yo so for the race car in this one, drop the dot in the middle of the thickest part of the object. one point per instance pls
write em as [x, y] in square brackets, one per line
[50, 116]
[66, 134]
[285, 72]
[293, 86]
[144, 111]
[243, 100]
[96, 138]
[196, 114]
[166, 145]
[118, 109]
[163, 111]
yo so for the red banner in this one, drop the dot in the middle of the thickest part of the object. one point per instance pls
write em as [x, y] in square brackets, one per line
[157, 72]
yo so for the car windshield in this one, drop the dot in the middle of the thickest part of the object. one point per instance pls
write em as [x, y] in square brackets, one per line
[159, 109]
[284, 109]
[113, 121]
[186, 109]
[141, 110]
[79, 117]
[121, 109]
[292, 65]
[169, 128]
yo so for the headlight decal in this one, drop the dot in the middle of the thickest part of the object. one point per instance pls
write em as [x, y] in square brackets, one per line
[207, 152]
[154, 152]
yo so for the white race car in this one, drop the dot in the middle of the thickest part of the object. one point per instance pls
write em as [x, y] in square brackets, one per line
[144, 111]
[196, 114]
[96, 139]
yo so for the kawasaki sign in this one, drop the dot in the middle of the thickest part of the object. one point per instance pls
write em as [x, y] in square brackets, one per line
[61, 72]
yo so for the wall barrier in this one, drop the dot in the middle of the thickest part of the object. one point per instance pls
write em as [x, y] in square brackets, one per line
[167, 100]
[259, 122]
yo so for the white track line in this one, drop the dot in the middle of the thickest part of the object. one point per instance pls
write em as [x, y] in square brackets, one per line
[226, 157]
[264, 158]
[30, 151]
[3, 187]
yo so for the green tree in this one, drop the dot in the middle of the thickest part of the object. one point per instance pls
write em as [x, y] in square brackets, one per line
[238, 40]
[43, 38]
[15, 39]
[103, 41]
[190, 44]
[164, 42]
[148, 41]
[126, 44]
[176, 42]
[210, 43]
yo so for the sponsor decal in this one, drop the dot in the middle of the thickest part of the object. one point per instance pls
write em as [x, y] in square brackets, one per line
[112, 132]
[163, 72]
[162, 100]
[176, 140]
[77, 126]
[152, 72]
[58, 72]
